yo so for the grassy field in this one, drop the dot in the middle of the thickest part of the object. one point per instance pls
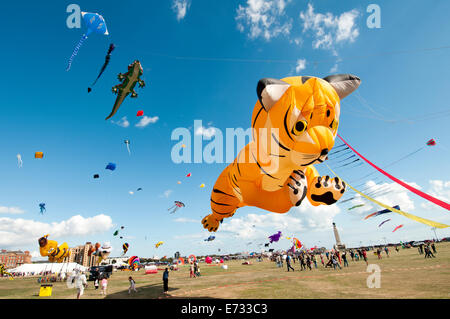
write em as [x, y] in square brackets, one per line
[405, 274]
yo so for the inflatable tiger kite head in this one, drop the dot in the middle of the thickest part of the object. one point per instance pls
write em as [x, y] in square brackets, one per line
[301, 114]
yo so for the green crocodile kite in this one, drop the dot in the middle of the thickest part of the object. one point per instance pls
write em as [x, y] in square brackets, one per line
[129, 81]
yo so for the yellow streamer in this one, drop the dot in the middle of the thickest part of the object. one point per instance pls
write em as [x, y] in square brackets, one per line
[410, 216]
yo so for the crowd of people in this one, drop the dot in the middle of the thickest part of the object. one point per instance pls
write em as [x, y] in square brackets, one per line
[331, 259]
[429, 250]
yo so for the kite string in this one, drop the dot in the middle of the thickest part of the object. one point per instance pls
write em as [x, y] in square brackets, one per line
[410, 188]
[75, 51]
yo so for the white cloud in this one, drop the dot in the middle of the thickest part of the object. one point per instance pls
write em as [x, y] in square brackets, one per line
[397, 195]
[19, 232]
[301, 65]
[329, 29]
[263, 18]
[11, 210]
[317, 218]
[146, 121]
[206, 132]
[123, 122]
[180, 7]
[440, 190]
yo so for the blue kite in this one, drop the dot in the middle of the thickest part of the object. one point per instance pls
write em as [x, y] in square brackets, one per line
[94, 23]
[210, 238]
[42, 208]
[111, 166]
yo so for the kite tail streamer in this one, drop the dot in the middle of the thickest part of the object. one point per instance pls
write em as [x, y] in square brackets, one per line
[128, 148]
[410, 188]
[107, 59]
[75, 51]
[392, 209]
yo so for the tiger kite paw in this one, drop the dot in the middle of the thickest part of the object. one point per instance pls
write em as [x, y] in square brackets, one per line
[211, 223]
[326, 190]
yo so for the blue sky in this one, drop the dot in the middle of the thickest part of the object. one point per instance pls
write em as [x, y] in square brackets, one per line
[204, 64]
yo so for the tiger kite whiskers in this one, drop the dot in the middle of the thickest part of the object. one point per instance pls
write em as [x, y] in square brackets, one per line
[294, 126]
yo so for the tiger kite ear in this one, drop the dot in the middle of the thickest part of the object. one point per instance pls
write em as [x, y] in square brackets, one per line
[344, 84]
[269, 91]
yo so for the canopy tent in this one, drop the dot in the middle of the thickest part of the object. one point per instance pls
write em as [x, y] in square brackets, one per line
[36, 269]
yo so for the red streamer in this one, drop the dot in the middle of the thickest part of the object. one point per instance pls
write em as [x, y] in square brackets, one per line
[410, 188]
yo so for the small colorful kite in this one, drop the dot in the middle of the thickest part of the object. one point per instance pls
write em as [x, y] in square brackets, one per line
[297, 243]
[356, 206]
[96, 176]
[42, 208]
[111, 166]
[125, 248]
[38, 155]
[188, 175]
[19, 160]
[127, 143]
[134, 262]
[398, 227]
[202, 185]
[381, 212]
[431, 142]
[275, 237]
[384, 222]
[159, 244]
[140, 113]
[175, 207]
[210, 238]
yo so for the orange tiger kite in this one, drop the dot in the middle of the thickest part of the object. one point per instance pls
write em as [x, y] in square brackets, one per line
[294, 122]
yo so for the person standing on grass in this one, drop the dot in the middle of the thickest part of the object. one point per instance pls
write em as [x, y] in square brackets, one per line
[80, 283]
[104, 285]
[321, 260]
[166, 280]
[386, 250]
[365, 256]
[335, 262]
[313, 259]
[132, 285]
[433, 247]
[288, 263]
[344, 258]
[428, 253]
[96, 282]
[352, 254]
[308, 262]
[191, 268]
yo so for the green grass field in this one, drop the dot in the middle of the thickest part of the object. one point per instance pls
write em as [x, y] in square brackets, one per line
[405, 274]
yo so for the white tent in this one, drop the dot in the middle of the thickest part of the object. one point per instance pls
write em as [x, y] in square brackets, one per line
[36, 269]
